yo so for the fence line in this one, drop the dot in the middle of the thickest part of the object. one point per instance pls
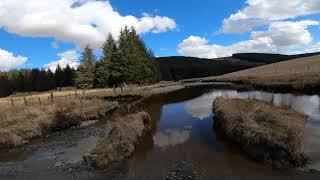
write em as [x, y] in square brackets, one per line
[52, 97]
[24, 101]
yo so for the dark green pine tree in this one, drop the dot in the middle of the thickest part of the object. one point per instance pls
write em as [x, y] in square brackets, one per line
[59, 76]
[120, 65]
[19, 85]
[85, 74]
[102, 70]
[133, 62]
[68, 76]
[143, 68]
[51, 81]
[5, 87]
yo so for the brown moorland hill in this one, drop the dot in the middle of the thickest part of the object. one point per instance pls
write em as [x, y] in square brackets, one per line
[297, 74]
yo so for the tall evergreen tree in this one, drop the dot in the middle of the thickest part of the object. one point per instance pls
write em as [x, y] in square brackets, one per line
[85, 74]
[119, 68]
[133, 62]
[109, 54]
[59, 76]
[52, 81]
[5, 87]
[139, 60]
[68, 76]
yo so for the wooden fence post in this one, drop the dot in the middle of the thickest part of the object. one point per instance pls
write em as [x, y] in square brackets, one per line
[83, 92]
[80, 99]
[51, 96]
[25, 101]
[39, 99]
[12, 102]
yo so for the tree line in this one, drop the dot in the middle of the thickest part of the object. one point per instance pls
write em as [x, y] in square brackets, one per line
[29, 80]
[126, 60]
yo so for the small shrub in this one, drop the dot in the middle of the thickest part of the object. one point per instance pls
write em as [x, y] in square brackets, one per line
[9, 139]
[64, 118]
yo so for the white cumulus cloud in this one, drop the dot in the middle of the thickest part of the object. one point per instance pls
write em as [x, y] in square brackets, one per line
[69, 57]
[278, 38]
[262, 12]
[9, 61]
[81, 22]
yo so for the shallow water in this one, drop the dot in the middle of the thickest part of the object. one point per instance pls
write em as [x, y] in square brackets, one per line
[184, 132]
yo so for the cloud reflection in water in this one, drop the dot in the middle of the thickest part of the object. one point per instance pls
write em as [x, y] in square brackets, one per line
[201, 107]
[171, 137]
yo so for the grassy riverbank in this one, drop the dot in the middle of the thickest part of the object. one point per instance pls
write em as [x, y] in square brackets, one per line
[21, 123]
[120, 143]
[40, 115]
[267, 133]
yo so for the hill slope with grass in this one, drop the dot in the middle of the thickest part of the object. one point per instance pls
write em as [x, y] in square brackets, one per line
[297, 74]
[180, 67]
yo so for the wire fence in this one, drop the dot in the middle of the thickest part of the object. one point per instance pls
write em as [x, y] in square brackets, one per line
[44, 100]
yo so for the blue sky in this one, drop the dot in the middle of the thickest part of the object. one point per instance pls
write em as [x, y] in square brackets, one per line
[44, 34]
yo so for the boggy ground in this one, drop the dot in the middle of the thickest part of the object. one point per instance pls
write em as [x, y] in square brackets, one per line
[267, 133]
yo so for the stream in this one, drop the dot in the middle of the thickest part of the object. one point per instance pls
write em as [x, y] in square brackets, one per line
[184, 141]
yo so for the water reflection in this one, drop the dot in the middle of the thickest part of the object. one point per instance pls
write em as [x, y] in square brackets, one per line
[201, 107]
[184, 132]
[171, 137]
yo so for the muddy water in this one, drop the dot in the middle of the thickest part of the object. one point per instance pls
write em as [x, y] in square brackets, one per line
[184, 133]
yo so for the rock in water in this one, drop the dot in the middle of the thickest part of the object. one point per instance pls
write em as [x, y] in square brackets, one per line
[183, 170]
[58, 164]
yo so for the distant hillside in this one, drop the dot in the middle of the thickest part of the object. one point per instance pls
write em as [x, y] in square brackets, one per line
[180, 67]
[297, 74]
[177, 68]
[269, 58]
[298, 66]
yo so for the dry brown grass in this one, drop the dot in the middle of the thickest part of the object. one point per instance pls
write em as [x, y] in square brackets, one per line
[299, 74]
[120, 143]
[40, 116]
[276, 131]
[21, 123]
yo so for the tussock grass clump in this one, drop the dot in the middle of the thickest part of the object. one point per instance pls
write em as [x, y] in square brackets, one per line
[21, 123]
[266, 132]
[120, 143]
